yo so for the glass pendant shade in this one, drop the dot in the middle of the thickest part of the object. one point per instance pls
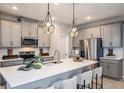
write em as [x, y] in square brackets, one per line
[48, 26]
[73, 29]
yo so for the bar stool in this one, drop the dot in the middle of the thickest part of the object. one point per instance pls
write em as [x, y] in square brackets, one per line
[70, 83]
[84, 80]
[98, 75]
[66, 84]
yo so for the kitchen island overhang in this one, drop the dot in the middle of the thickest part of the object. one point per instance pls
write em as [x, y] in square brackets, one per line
[42, 78]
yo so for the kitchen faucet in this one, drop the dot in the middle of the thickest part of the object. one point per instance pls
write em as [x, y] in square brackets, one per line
[57, 56]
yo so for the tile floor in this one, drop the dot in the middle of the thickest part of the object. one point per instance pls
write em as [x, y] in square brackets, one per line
[108, 84]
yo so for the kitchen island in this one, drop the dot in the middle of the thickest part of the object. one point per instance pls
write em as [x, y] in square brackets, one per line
[44, 77]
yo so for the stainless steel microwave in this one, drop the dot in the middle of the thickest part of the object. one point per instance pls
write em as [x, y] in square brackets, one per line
[29, 41]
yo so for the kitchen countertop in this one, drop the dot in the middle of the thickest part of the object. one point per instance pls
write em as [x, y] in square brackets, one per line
[47, 56]
[112, 58]
[16, 78]
[16, 59]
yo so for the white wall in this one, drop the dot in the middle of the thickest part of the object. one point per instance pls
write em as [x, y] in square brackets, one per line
[60, 29]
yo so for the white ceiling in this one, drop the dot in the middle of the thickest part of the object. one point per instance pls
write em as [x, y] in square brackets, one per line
[63, 12]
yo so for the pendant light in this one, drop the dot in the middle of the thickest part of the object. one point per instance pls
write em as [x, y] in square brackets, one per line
[48, 26]
[73, 29]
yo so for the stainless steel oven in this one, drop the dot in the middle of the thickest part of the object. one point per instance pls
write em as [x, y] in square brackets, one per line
[29, 41]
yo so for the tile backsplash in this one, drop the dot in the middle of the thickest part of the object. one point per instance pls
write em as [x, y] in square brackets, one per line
[3, 51]
[117, 51]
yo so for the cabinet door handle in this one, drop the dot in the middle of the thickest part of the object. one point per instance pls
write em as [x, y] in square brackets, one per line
[12, 43]
[91, 35]
[43, 43]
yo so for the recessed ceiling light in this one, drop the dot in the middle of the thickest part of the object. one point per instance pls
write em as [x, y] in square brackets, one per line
[53, 18]
[15, 8]
[56, 3]
[88, 18]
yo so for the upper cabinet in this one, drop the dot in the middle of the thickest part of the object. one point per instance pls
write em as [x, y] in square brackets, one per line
[5, 33]
[29, 29]
[93, 32]
[43, 38]
[16, 34]
[77, 39]
[10, 34]
[112, 35]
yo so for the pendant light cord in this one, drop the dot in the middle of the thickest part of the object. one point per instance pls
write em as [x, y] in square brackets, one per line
[73, 11]
[48, 7]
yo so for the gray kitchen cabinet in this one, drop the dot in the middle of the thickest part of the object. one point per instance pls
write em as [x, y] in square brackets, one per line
[11, 63]
[10, 34]
[117, 35]
[29, 29]
[16, 34]
[112, 68]
[106, 35]
[43, 38]
[112, 35]
[5, 33]
[105, 68]
[77, 39]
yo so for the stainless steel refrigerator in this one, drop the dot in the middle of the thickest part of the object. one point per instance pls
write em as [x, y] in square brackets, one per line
[91, 48]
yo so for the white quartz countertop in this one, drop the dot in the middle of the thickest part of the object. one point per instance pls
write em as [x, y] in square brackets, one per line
[16, 78]
[16, 59]
[47, 56]
[112, 58]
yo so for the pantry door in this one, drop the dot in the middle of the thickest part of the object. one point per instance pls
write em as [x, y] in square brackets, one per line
[63, 46]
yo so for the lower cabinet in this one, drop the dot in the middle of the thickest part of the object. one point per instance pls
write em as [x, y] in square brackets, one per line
[11, 63]
[112, 68]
